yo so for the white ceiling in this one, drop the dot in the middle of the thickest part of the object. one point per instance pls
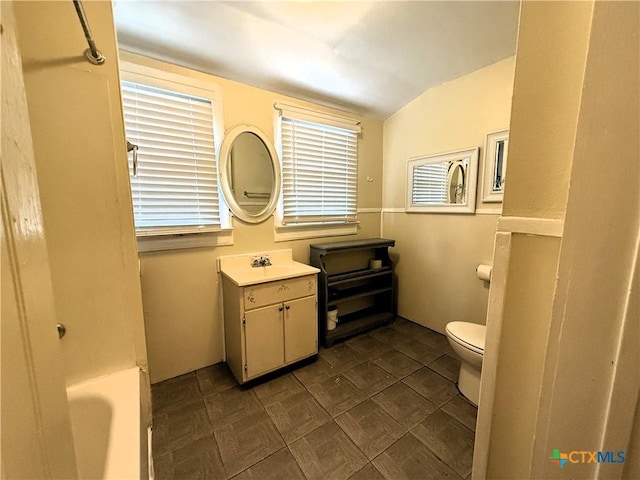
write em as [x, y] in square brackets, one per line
[369, 58]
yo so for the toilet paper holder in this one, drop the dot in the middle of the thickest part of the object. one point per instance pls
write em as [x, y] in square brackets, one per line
[483, 272]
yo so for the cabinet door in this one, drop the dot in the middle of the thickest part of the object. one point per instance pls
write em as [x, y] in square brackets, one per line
[300, 329]
[264, 340]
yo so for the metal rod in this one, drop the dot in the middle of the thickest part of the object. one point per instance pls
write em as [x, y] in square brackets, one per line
[92, 54]
[257, 194]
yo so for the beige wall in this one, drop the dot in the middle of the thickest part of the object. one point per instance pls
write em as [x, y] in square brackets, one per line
[36, 439]
[566, 376]
[541, 143]
[553, 42]
[180, 288]
[435, 253]
[601, 228]
[78, 139]
[529, 296]
[632, 466]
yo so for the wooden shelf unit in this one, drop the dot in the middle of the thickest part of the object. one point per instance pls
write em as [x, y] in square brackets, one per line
[364, 296]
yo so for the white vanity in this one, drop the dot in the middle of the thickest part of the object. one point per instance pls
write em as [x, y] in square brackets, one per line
[270, 312]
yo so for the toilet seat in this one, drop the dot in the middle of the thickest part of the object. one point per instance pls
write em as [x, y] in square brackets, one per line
[468, 335]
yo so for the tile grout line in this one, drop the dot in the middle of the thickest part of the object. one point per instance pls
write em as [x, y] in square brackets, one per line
[333, 419]
[213, 430]
[359, 357]
[442, 460]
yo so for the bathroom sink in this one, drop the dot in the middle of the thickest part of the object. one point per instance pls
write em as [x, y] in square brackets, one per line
[250, 275]
[239, 270]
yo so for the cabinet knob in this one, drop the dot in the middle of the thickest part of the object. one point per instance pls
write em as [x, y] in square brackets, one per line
[280, 309]
[288, 307]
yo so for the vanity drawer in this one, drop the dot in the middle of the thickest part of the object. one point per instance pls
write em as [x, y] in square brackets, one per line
[279, 291]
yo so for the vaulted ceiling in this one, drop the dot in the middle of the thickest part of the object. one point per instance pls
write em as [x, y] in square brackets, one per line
[369, 58]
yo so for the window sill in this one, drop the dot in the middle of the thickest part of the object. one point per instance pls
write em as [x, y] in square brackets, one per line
[285, 233]
[155, 243]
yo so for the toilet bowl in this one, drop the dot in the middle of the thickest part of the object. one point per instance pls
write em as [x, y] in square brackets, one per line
[467, 341]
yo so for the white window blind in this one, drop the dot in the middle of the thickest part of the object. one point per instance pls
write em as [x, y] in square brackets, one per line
[429, 184]
[319, 172]
[175, 186]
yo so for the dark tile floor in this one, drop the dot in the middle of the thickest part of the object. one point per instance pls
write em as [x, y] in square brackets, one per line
[380, 405]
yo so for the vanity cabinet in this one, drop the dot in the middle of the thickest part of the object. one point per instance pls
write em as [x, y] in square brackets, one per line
[269, 325]
[356, 277]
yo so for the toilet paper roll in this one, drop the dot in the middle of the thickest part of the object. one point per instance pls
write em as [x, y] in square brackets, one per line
[484, 272]
[373, 263]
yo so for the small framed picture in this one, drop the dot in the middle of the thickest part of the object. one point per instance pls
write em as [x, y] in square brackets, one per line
[495, 166]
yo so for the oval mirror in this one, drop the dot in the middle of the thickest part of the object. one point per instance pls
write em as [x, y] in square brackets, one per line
[249, 173]
[455, 183]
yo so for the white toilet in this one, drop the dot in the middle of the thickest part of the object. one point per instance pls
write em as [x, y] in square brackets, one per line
[467, 341]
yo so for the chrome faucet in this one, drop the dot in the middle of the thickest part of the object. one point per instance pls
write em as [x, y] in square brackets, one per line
[261, 261]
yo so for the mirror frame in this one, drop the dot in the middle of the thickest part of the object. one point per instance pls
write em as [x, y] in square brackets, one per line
[223, 174]
[469, 154]
[489, 195]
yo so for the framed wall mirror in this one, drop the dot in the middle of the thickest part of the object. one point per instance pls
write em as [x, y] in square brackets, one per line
[249, 172]
[495, 166]
[444, 183]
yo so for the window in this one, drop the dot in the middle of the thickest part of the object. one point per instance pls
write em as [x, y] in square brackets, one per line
[319, 155]
[174, 180]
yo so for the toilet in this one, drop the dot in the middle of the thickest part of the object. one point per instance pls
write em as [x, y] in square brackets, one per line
[467, 341]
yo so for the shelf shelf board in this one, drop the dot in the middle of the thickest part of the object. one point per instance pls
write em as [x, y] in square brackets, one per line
[366, 293]
[365, 274]
[357, 325]
[365, 243]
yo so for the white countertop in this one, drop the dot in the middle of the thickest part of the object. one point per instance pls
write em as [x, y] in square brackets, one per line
[238, 269]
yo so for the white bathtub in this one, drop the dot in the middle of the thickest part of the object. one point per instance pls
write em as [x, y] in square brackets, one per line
[106, 425]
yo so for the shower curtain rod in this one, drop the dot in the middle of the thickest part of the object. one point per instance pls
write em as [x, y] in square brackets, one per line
[92, 53]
